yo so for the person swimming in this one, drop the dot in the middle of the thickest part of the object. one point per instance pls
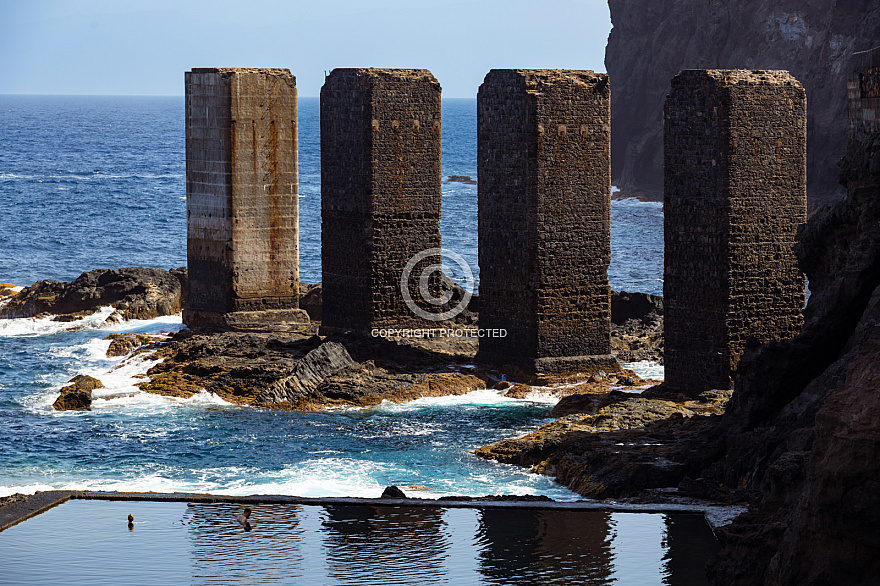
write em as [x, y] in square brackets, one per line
[243, 519]
[130, 521]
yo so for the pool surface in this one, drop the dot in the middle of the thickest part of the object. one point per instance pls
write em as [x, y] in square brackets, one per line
[88, 542]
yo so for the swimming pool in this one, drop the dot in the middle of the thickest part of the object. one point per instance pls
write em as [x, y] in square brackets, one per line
[84, 542]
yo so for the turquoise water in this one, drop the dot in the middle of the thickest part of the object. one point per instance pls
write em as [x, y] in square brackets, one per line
[132, 440]
[88, 542]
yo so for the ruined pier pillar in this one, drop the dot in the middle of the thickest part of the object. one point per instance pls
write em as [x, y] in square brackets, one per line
[380, 192]
[544, 218]
[241, 198]
[863, 94]
[735, 194]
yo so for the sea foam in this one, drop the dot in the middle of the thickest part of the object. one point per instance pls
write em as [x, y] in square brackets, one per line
[44, 326]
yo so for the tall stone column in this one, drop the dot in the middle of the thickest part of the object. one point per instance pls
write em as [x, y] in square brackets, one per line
[544, 218]
[863, 94]
[380, 193]
[735, 194]
[241, 198]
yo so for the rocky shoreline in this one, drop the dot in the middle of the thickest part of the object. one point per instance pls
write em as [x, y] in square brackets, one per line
[134, 293]
[306, 372]
[626, 446]
[299, 370]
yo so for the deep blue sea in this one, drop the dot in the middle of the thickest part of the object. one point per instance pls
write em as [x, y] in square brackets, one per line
[98, 182]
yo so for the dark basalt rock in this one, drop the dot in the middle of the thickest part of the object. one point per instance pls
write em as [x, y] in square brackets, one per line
[392, 492]
[122, 344]
[311, 299]
[636, 326]
[294, 371]
[77, 396]
[326, 360]
[640, 306]
[135, 293]
[461, 179]
[182, 275]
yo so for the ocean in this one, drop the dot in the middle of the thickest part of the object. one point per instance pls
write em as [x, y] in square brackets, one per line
[99, 182]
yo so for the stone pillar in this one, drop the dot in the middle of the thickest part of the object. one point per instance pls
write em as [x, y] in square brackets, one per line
[863, 94]
[380, 192]
[241, 198]
[544, 218]
[735, 194]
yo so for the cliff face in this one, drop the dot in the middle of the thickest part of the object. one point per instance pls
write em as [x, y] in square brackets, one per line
[652, 41]
[802, 429]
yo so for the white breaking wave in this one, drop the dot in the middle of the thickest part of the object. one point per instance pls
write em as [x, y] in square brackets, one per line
[324, 477]
[203, 397]
[44, 326]
[635, 202]
[646, 368]
[482, 397]
[119, 375]
[320, 477]
[149, 483]
[33, 326]
[159, 325]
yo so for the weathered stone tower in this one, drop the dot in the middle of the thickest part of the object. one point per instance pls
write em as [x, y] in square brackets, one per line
[380, 191]
[735, 194]
[863, 94]
[241, 198]
[544, 217]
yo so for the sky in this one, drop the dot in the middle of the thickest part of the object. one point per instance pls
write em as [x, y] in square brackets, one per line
[123, 47]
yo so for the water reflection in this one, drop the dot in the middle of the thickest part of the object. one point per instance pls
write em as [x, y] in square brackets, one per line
[223, 552]
[545, 547]
[689, 543]
[385, 545]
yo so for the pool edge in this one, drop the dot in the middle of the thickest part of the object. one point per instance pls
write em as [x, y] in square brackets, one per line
[16, 512]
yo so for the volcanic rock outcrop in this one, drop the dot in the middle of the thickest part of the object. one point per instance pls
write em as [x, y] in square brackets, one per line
[135, 293]
[295, 371]
[636, 326]
[650, 42]
[77, 396]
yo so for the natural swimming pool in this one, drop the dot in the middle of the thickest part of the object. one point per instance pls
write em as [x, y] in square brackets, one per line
[86, 542]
